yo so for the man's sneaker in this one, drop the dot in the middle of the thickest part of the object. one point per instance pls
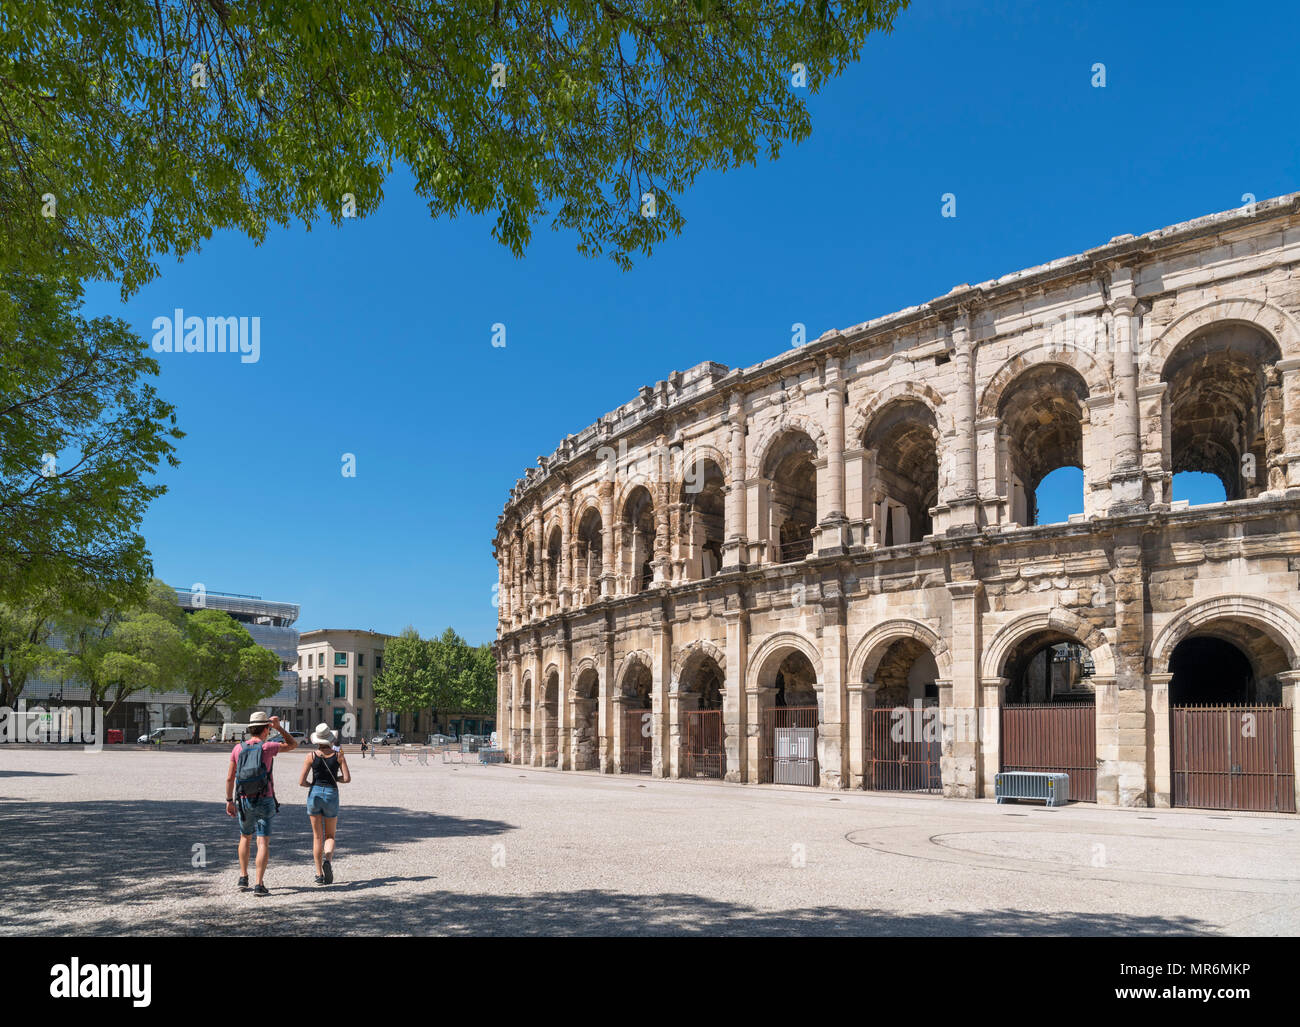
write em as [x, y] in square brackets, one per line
[329, 872]
[261, 890]
[243, 884]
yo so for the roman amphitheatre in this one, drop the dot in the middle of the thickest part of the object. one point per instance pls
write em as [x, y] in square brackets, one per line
[851, 528]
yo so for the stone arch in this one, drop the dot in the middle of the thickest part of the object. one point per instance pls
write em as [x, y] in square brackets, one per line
[588, 501]
[1043, 354]
[551, 668]
[917, 391]
[526, 690]
[1274, 620]
[868, 653]
[697, 650]
[638, 657]
[777, 428]
[1274, 322]
[777, 645]
[580, 668]
[1058, 618]
[702, 451]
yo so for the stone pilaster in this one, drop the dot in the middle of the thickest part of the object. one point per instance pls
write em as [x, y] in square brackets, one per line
[1159, 751]
[963, 773]
[734, 699]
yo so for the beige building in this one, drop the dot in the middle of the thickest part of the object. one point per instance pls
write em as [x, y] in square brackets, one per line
[337, 669]
[743, 572]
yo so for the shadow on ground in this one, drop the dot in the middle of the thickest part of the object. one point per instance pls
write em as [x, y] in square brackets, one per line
[362, 908]
[82, 857]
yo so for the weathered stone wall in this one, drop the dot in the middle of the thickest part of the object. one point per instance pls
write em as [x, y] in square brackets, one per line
[916, 441]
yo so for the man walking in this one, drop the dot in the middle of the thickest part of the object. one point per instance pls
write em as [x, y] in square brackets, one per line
[250, 792]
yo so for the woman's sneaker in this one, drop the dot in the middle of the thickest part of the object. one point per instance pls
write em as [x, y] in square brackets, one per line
[329, 872]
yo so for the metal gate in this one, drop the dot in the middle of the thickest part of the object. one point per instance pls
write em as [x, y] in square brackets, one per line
[636, 742]
[1059, 738]
[1233, 757]
[788, 754]
[703, 750]
[903, 757]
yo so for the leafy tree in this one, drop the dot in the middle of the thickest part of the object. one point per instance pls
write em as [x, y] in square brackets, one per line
[155, 124]
[224, 666]
[80, 431]
[405, 685]
[120, 653]
[479, 683]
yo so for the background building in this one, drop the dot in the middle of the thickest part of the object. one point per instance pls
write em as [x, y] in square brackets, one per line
[337, 669]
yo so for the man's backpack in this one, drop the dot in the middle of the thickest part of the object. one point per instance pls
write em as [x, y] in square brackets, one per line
[252, 778]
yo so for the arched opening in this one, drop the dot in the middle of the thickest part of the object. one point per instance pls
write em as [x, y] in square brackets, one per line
[530, 567]
[637, 688]
[1042, 423]
[790, 470]
[1223, 393]
[550, 721]
[704, 523]
[588, 557]
[586, 721]
[903, 442]
[1059, 495]
[554, 563]
[1048, 716]
[904, 736]
[788, 715]
[703, 734]
[638, 540]
[1232, 744]
[1197, 488]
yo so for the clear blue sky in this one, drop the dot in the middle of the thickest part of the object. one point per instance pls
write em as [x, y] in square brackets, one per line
[376, 336]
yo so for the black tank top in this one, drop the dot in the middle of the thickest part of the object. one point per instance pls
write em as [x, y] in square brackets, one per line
[325, 770]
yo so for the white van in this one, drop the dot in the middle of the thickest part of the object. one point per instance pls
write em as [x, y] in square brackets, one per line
[163, 735]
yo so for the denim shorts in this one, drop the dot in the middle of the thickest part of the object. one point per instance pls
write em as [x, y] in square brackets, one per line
[255, 816]
[323, 801]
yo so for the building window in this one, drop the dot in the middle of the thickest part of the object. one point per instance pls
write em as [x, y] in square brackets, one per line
[376, 720]
[360, 682]
[308, 661]
[415, 723]
[340, 659]
[379, 663]
[300, 661]
[361, 659]
[340, 686]
[338, 717]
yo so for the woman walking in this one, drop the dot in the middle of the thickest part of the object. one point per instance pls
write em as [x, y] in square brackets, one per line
[327, 769]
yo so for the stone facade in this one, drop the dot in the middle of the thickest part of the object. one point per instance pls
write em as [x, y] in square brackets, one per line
[853, 521]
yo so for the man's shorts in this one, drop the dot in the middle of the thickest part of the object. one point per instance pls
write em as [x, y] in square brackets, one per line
[323, 801]
[255, 816]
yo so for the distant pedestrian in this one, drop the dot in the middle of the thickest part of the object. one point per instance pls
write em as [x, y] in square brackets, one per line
[250, 792]
[327, 768]
[363, 748]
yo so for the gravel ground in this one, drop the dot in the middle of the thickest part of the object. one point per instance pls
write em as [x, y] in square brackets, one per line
[136, 842]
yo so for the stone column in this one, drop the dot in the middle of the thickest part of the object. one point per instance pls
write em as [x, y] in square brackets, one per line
[661, 655]
[564, 591]
[678, 702]
[1126, 492]
[963, 513]
[616, 739]
[859, 738]
[564, 705]
[734, 704]
[608, 712]
[607, 543]
[733, 549]
[516, 714]
[758, 699]
[989, 720]
[1123, 731]
[830, 539]
[663, 526]
[1159, 751]
[830, 732]
[963, 774]
[1289, 460]
[517, 600]
[537, 714]
[1290, 680]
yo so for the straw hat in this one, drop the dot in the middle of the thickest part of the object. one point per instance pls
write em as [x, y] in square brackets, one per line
[259, 717]
[322, 735]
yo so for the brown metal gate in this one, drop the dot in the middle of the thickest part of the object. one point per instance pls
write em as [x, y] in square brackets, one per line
[703, 750]
[1233, 757]
[903, 757]
[636, 742]
[800, 763]
[1058, 738]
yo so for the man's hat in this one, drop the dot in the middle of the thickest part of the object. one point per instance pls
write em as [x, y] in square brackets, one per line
[260, 717]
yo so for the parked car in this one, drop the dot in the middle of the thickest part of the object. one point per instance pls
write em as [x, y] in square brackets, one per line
[163, 735]
[392, 738]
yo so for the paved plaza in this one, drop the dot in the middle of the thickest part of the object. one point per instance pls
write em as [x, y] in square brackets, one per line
[107, 843]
